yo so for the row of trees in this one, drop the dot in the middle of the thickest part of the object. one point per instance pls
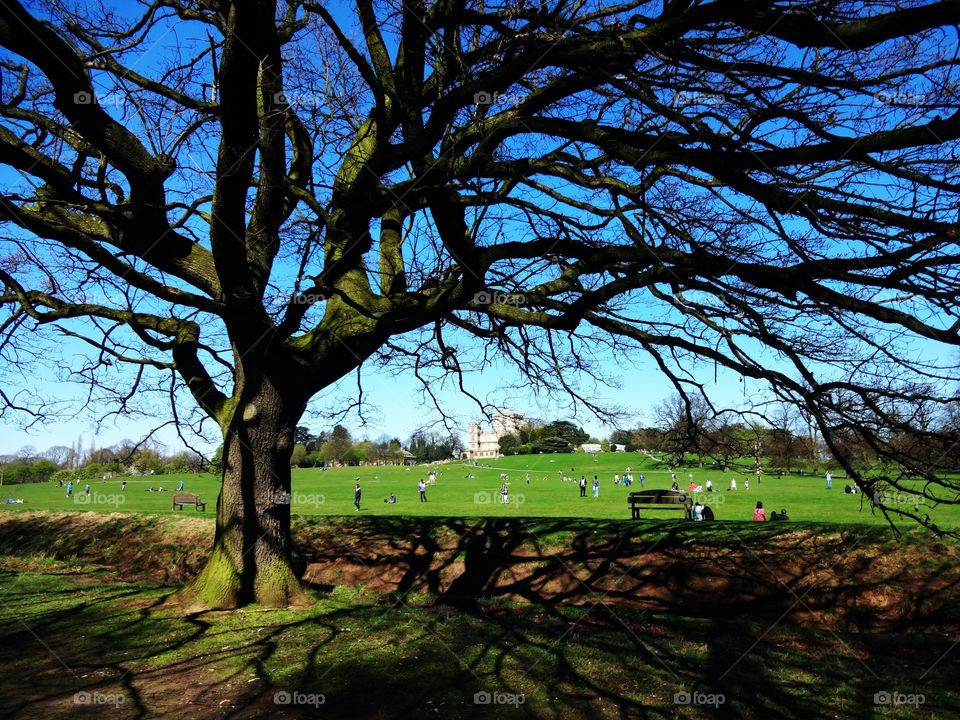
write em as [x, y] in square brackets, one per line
[126, 457]
[338, 447]
[780, 438]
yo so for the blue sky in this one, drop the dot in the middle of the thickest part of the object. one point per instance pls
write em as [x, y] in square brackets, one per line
[396, 408]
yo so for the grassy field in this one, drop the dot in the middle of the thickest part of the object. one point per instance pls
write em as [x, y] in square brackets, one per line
[495, 618]
[551, 606]
[467, 491]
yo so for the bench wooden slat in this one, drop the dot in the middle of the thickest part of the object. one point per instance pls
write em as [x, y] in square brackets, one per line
[658, 500]
[181, 499]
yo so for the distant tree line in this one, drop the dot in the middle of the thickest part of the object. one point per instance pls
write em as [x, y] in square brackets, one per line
[780, 439]
[337, 447]
[125, 458]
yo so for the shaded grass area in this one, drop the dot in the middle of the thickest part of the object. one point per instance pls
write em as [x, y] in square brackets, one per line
[426, 613]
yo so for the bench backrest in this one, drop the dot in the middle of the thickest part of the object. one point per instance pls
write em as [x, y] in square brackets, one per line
[183, 498]
[659, 497]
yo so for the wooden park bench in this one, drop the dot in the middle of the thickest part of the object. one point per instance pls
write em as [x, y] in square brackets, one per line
[181, 499]
[659, 500]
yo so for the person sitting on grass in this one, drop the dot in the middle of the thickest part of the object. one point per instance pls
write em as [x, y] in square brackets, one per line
[759, 514]
[697, 511]
[779, 516]
[391, 499]
[708, 513]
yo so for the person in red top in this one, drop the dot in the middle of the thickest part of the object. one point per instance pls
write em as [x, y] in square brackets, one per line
[759, 514]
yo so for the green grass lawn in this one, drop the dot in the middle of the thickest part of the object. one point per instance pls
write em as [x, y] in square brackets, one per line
[785, 622]
[467, 491]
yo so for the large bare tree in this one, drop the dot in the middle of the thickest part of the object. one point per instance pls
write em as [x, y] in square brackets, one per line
[248, 200]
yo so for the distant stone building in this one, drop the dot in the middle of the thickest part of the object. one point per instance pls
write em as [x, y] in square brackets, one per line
[485, 442]
[591, 447]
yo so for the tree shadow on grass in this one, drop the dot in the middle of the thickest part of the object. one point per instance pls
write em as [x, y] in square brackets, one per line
[709, 570]
[463, 618]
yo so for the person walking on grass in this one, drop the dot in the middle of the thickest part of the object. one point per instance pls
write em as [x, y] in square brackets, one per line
[123, 485]
[596, 486]
[356, 496]
[181, 485]
[422, 488]
[70, 488]
[583, 486]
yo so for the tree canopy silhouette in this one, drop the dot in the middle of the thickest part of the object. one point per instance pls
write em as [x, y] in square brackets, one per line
[246, 201]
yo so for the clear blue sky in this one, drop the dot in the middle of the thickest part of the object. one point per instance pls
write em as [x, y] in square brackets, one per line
[395, 407]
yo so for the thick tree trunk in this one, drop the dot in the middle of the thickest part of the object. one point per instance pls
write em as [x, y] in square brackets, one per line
[252, 561]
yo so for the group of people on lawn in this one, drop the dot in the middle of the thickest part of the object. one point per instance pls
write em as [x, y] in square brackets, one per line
[699, 511]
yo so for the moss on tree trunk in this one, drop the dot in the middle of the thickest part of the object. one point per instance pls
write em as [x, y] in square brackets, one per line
[252, 557]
